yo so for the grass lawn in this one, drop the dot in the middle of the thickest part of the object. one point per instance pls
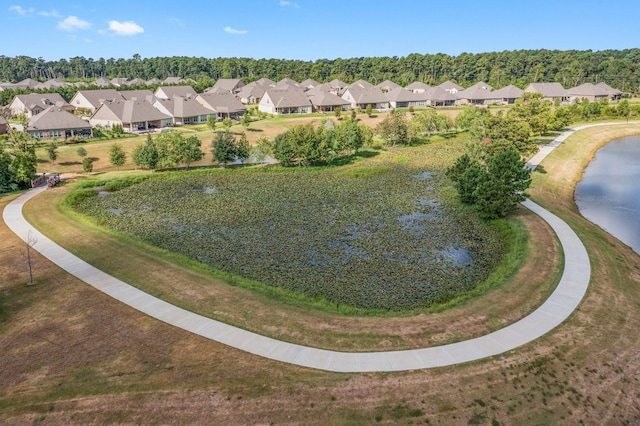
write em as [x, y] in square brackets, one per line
[72, 355]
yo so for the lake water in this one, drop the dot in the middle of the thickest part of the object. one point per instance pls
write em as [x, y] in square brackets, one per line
[609, 193]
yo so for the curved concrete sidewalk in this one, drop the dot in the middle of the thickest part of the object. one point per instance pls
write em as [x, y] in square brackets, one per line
[557, 308]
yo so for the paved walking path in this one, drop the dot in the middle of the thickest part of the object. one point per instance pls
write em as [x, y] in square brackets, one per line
[556, 309]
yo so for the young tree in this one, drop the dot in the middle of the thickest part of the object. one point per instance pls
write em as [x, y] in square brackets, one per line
[261, 149]
[394, 129]
[87, 165]
[533, 109]
[117, 156]
[211, 122]
[165, 144]
[223, 147]
[146, 156]
[81, 151]
[368, 110]
[243, 148]
[245, 121]
[337, 112]
[52, 151]
[226, 123]
[188, 150]
[351, 136]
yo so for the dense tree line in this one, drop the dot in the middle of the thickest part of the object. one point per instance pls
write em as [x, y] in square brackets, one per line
[619, 68]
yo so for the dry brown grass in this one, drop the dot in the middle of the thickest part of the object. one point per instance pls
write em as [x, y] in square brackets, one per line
[71, 355]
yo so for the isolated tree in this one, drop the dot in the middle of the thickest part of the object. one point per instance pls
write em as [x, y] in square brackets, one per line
[223, 147]
[117, 156]
[188, 150]
[226, 123]
[350, 136]
[262, 148]
[533, 109]
[211, 122]
[394, 129]
[242, 148]
[165, 144]
[353, 114]
[245, 121]
[87, 164]
[52, 151]
[146, 155]
[466, 174]
[368, 110]
[81, 151]
[337, 112]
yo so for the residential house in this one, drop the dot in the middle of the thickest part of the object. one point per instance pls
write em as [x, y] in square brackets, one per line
[265, 82]
[52, 83]
[361, 84]
[450, 86]
[168, 92]
[418, 87]
[403, 98]
[102, 82]
[550, 91]
[57, 123]
[133, 116]
[507, 95]
[34, 103]
[337, 86]
[153, 81]
[173, 80]
[135, 82]
[119, 81]
[251, 93]
[614, 94]
[474, 95]
[588, 91]
[387, 86]
[360, 97]
[326, 101]
[309, 83]
[184, 110]
[230, 85]
[277, 101]
[437, 96]
[138, 95]
[92, 99]
[225, 105]
[27, 83]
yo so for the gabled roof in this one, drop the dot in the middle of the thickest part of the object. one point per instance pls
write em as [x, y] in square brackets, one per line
[450, 85]
[309, 83]
[417, 85]
[548, 90]
[135, 81]
[437, 93]
[119, 81]
[28, 82]
[179, 107]
[400, 94]
[481, 85]
[326, 99]
[361, 84]
[323, 88]
[137, 95]
[172, 80]
[99, 96]
[588, 89]
[225, 103]
[55, 118]
[610, 90]
[153, 81]
[337, 84]
[169, 92]
[43, 100]
[54, 82]
[251, 90]
[387, 85]
[474, 92]
[102, 82]
[265, 82]
[230, 85]
[133, 111]
[507, 92]
[365, 96]
[287, 98]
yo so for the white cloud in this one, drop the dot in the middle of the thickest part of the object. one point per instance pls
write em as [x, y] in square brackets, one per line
[20, 11]
[234, 31]
[72, 23]
[127, 28]
[53, 14]
[285, 3]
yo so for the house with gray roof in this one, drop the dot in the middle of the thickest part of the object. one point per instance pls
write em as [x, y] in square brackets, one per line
[450, 86]
[588, 91]
[387, 86]
[27, 83]
[327, 101]
[550, 91]
[278, 101]
[360, 97]
[135, 81]
[225, 105]
[153, 81]
[138, 95]
[34, 103]
[92, 99]
[418, 87]
[361, 84]
[102, 82]
[437, 96]
[506, 96]
[309, 83]
[119, 81]
[173, 80]
[168, 92]
[474, 95]
[614, 94]
[230, 85]
[56, 123]
[251, 93]
[403, 98]
[184, 110]
[133, 116]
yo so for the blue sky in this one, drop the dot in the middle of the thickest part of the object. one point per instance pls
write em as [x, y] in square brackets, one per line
[311, 29]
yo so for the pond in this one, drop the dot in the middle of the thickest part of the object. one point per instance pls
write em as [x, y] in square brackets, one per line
[609, 193]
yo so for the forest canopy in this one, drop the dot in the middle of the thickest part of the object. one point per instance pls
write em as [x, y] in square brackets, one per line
[618, 68]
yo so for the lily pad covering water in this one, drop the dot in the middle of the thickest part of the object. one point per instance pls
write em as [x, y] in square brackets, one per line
[383, 241]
